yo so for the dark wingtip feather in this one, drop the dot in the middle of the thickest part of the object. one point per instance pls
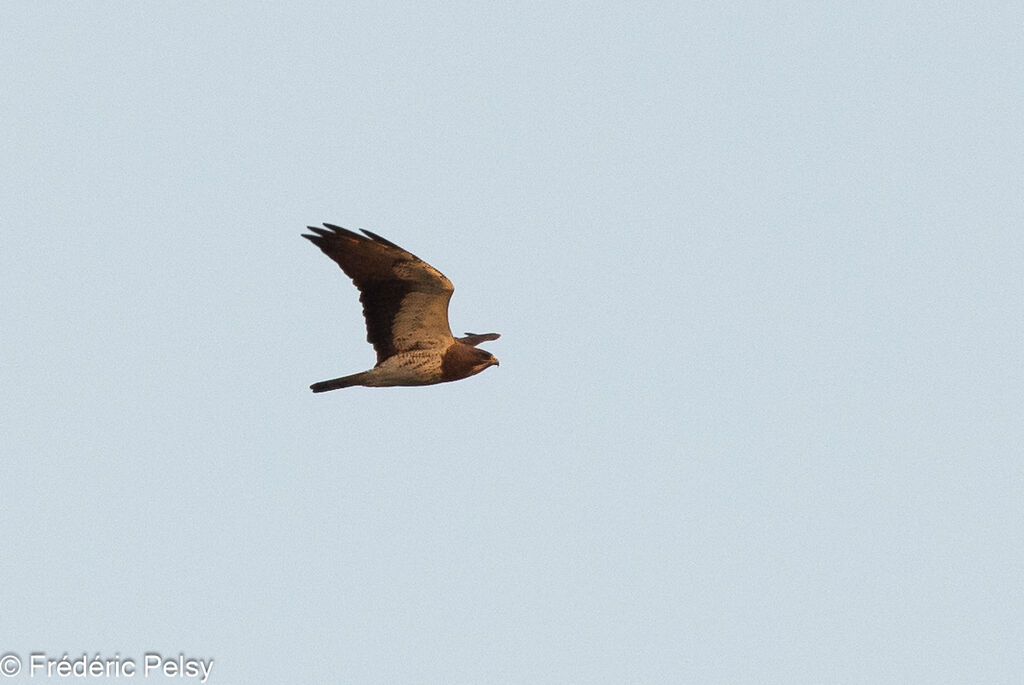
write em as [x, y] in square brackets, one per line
[339, 231]
[379, 239]
[320, 233]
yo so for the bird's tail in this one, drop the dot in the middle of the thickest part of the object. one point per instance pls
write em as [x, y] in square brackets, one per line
[343, 382]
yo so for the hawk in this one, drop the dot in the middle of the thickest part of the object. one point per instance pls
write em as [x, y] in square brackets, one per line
[405, 304]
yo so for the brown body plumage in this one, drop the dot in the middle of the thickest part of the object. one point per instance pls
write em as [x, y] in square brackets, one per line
[405, 304]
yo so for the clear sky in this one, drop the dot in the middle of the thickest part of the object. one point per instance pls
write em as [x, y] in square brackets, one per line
[758, 270]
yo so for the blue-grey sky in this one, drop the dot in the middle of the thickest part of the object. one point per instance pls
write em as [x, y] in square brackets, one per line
[758, 271]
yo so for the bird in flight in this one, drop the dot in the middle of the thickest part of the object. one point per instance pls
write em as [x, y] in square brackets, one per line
[405, 304]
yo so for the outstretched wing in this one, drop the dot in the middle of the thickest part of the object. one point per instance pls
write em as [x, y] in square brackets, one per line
[475, 339]
[405, 300]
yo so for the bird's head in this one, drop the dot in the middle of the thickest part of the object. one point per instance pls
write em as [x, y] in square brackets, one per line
[462, 361]
[483, 360]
